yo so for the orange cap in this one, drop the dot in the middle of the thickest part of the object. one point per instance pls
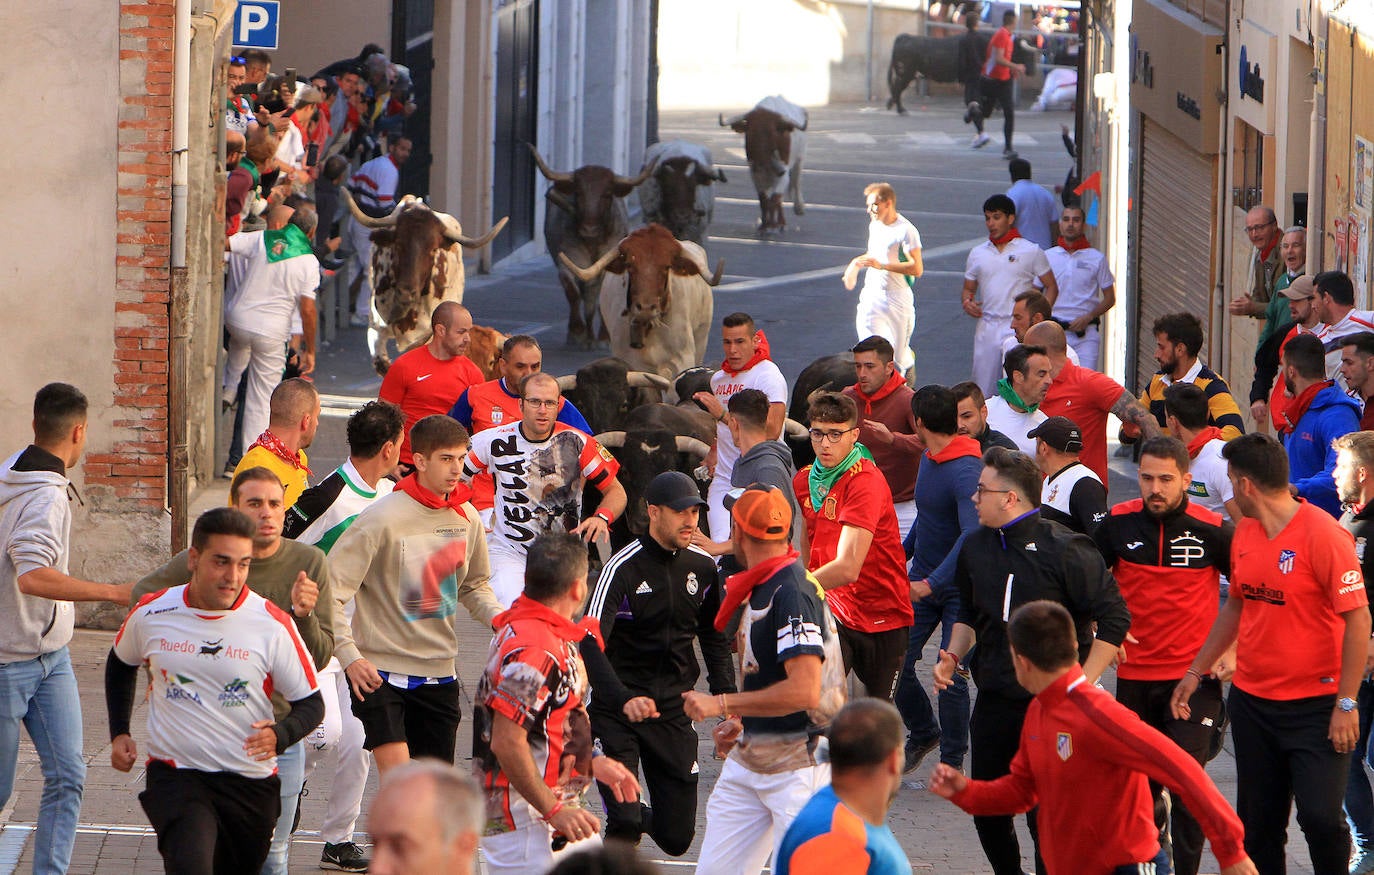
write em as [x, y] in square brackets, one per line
[762, 513]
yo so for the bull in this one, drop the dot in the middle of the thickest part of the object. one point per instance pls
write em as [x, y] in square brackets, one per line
[774, 144]
[586, 216]
[655, 438]
[829, 373]
[484, 350]
[606, 390]
[656, 302]
[679, 195]
[937, 58]
[417, 261]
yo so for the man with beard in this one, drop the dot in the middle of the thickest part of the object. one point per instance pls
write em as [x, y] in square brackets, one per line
[1168, 555]
[1318, 413]
[1178, 340]
[1357, 369]
[973, 417]
[1268, 396]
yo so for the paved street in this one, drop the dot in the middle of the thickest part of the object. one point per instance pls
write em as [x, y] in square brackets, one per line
[791, 285]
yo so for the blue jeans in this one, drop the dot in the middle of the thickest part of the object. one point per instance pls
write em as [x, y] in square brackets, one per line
[1359, 800]
[291, 772]
[41, 693]
[932, 612]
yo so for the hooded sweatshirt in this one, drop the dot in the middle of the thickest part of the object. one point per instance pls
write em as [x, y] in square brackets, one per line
[1311, 458]
[35, 524]
[769, 462]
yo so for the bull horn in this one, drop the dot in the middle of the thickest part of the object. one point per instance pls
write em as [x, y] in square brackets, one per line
[795, 430]
[733, 120]
[544, 168]
[587, 274]
[720, 271]
[647, 380]
[567, 382]
[806, 120]
[611, 439]
[453, 232]
[369, 221]
[695, 446]
[643, 175]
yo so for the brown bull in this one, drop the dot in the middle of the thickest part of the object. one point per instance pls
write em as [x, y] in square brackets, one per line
[484, 350]
[775, 145]
[586, 216]
[417, 261]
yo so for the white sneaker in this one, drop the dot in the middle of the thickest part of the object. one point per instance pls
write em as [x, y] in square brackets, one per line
[981, 140]
[359, 320]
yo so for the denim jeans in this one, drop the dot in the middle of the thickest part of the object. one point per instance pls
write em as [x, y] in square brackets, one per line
[42, 694]
[291, 771]
[934, 612]
[1359, 801]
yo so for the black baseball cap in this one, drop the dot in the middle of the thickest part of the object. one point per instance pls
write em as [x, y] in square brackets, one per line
[1060, 433]
[673, 489]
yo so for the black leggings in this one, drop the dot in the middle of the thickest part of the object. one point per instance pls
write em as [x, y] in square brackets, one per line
[994, 735]
[998, 92]
[210, 823]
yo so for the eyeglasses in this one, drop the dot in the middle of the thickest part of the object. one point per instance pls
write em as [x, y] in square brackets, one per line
[1255, 229]
[830, 437]
[537, 403]
[980, 490]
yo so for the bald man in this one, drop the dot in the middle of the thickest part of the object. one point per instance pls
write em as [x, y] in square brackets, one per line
[428, 379]
[427, 817]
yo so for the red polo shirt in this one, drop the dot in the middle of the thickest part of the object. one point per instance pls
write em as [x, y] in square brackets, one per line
[1086, 397]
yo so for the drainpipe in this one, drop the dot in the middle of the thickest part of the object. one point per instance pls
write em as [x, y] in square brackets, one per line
[1221, 340]
[178, 318]
[1316, 164]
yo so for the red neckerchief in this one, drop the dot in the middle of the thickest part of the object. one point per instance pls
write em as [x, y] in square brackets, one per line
[1077, 245]
[886, 389]
[1005, 238]
[961, 446]
[272, 444]
[760, 354]
[1268, 250]
[1298, 406]
[1358, 509]
[739, 586]
[431, 499]
[1195, 446]
[526, 608]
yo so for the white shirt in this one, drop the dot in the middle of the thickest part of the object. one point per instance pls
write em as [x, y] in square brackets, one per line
[1081, 277]
[1211, 488]
[1014, 424]
[211, 673]
[374, 185]
[266, 293]
[291, 148]
[890, 244]
[1352, 323]
[1001, 276]
[763, 376]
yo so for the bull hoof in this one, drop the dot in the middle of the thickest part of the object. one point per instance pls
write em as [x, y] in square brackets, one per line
[890, 101]
[381, 365]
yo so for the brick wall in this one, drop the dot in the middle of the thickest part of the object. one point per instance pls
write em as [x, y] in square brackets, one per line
[134, 469]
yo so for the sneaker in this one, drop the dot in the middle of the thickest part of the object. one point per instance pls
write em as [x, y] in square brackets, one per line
[228, 472]
[1008, 154]
[359, 320]
[344, 857]
[915, 752]
[981, 140]
[1363, 861]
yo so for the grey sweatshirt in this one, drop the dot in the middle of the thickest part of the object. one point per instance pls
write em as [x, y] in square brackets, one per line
[35, 525]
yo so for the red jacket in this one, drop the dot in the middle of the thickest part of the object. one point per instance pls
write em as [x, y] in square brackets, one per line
[1086, 760]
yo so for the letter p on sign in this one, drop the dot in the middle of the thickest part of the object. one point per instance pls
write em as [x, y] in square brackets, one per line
[255, 24]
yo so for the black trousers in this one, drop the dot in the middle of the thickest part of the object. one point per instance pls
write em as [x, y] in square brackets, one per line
[425, 718]
[1179, 831]
[973, 103]
[994, 736]
[210, 823]
[666, 750]
[1283, 756]
[998, 92]
[875, 658]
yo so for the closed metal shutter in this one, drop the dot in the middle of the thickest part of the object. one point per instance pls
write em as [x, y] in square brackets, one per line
[1174, 271]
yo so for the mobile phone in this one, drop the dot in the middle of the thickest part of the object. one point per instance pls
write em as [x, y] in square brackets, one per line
[288, 84]
[312, 154]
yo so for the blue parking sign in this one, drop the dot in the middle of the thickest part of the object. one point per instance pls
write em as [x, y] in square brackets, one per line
[255, 24]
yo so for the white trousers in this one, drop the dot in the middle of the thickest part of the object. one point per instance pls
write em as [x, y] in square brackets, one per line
[748, 814]
[987, 352]
[1088, 347]
[360, 241]
[716, 514]
[264, 358]
[527, 850]
[341, 733]
[906, 515]
[507, 569]
[891, 321]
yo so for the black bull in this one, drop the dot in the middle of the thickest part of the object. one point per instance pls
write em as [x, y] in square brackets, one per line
[937, 58]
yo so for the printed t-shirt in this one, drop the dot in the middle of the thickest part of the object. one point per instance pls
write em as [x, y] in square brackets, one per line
[998, 47]
[269, 292]
[538, 483]
[881, 597]
[1002, 275]
[213, 673]
[763, 376]
[1295, 589]
[1081, 277]
[422, 385]
[1086, 397]
[1210, 488]
[890, 244]
[829, 838]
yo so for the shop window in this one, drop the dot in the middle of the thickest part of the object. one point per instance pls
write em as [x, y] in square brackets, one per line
[1247, 157]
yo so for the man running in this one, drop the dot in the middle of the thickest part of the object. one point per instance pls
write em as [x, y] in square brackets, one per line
[893, 263]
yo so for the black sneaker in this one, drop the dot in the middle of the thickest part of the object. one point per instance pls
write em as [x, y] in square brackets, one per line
[344, 857]
[916, 751]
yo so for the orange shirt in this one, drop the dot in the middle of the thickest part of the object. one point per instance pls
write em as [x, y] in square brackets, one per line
[422, 385]
[1295, 588]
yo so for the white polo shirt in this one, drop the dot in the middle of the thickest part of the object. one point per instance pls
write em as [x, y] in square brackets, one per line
[266, 293]
[890, 244]
[1001, 276]
[1081, 276]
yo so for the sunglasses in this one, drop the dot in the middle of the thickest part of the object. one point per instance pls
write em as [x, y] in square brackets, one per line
[237, 60]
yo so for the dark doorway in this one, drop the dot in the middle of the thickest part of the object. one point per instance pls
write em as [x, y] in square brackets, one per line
[412, 44]
[516, 105]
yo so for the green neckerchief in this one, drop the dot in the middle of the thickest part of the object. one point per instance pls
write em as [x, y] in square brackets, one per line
[1009, 395]
[822, 478]
[252, 169]
[289, 242]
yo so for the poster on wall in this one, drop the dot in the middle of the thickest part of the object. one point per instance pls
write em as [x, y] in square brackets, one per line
[1339, 223]
[1357, 245]
[1362, 177]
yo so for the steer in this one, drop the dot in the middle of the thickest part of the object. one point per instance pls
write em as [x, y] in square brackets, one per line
[417, 261]
[936, 58]
[656, 302]
[679, 194]
[606, 390]
[775, 144]
[586, 214]
[656, 438]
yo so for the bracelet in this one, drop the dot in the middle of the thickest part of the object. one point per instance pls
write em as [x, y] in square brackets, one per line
[604, 515]
[724, 708]
[557, 807]
[1194, 672]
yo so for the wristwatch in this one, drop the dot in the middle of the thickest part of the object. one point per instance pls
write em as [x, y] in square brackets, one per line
[1345, 703]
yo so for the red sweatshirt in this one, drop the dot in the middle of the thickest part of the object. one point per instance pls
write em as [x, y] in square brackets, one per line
[1086, 760]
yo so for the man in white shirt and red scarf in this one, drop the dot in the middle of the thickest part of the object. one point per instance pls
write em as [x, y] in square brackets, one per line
[1087, 289]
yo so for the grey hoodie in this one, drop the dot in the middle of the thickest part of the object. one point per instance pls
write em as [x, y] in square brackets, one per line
[769, 462]
[35, 523]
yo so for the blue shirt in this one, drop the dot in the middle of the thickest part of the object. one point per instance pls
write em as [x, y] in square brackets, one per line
[827, 838]
[1036, 211]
